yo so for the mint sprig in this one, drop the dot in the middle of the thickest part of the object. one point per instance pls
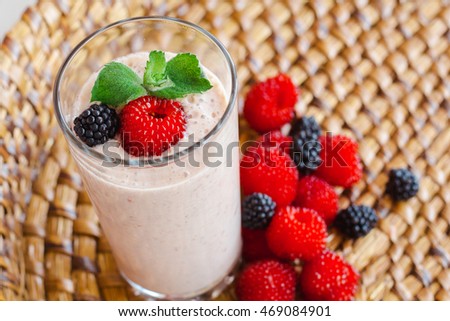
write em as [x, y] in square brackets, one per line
[117, 84]
[155, 70]
[181, 75]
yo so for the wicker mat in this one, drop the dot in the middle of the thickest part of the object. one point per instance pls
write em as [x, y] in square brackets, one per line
[378, 71]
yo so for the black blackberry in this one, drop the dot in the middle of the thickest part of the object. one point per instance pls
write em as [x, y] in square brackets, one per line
[306, 129]
[305, 133]
[96, 124]
[402, 184]
[257, 211]
[356, 220]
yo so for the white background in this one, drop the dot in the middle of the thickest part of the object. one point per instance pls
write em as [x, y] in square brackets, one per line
[108, 311]
[10, 13]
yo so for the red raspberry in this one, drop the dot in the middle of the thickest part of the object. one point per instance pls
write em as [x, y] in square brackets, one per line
[269, 171]
[316, 194]
[267, 280]
[150, 125]
[328, 277]
[255, 246]
[276, 139]
[341, 165]
[296, 233]
[270, 104]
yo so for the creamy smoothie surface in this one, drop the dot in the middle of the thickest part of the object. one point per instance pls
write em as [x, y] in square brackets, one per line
[174, 229]
[203, 111]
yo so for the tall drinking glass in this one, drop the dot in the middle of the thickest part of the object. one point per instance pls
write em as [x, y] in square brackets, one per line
[173, 222]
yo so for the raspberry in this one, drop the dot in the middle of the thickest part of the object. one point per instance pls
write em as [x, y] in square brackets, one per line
[356, 220]
[276, 139]
[255, 245]
[257, 211]
[305, 133]
[328, 277]
[402, 184]
[341, 165]
[269, 171]
[96, 124]
[270, 104]
[267, 280]
[296, 233]
[151, 125]
[316, 194]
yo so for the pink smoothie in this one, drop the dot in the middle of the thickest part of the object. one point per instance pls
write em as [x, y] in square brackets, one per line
[173, 229]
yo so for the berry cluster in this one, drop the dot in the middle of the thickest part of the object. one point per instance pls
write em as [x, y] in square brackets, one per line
[286, 210]
[288, 183]
[147, 126]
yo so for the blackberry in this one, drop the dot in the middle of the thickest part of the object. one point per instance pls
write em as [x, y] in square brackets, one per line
[257, 211]
[305, 133]
[305, 128]
[356, 220]
[402, 184]
[96, 124]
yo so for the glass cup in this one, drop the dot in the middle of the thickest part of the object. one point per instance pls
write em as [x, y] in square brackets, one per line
[173, 222]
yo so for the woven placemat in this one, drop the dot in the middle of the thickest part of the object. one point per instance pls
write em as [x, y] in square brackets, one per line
[375, 70]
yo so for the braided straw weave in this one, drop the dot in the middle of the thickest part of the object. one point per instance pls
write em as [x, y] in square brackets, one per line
[377, 71]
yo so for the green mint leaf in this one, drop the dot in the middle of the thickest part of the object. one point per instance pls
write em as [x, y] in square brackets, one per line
[155, 70]
[183, 76]
[116, 85]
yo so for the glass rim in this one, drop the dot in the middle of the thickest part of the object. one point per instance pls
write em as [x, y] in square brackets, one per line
[142, 161]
